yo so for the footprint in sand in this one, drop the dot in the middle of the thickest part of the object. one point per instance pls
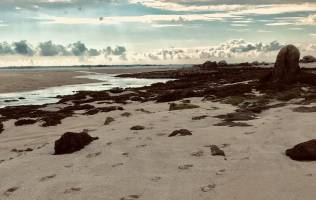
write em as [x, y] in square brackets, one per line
[198, 153]
[156, 179]
[68, 166]
[92, 155]
[185, 167]
[208, 188]
[125, 154]
[73, 189]
[220, 172]
[141, 146]
[117, 164]
[10, 191]
[45, 178]
[130, 197]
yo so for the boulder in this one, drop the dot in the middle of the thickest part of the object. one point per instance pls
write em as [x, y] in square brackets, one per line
[71, 142]
[305, 151]
[308, 59]
[286, 69]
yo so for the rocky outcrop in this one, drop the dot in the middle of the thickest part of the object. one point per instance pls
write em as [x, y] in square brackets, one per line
[305, 151]
[208, 65]
[71, 142]
[308, 59]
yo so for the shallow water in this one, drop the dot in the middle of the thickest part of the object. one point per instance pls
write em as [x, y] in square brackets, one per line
[48, 95]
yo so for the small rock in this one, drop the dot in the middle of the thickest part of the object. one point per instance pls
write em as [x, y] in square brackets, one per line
[199, 117]
[181, 132]
[137, 128]
[130, 197]
[216, 151]
[109, 120]
[182, 106]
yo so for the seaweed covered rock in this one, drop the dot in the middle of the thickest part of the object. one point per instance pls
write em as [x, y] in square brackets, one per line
[71, 142]
[305, 151]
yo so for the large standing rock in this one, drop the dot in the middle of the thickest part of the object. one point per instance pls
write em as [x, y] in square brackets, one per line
[305, 151]
[286, 69]
[72, 142]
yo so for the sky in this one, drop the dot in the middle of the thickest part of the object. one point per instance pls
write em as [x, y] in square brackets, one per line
[75, 32]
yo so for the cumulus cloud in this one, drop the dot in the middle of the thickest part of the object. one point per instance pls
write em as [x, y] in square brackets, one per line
[49, 49]
[23, 48]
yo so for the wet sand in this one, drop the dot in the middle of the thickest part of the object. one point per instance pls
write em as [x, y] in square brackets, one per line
[21, 80]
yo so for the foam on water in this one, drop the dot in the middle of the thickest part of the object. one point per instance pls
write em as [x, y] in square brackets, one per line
[48, 95]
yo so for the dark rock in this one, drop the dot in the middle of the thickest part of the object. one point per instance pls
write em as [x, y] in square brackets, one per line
[237, 116]
[287, 69]
[222, 63]
[216, 151]
[143, 110]
[182, 106]
[200, 117]
[308, 59]
[136, 98]
[72, 142]
[116, 90]
[181, 132]
[23, 122]
[126, 114]
[1, 127]
[137, 128]
[305, 151]
[108, 120]
[10, 100]
[9, 191]
[22, 150]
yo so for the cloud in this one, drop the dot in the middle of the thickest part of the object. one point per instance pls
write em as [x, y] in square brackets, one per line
[23, 48]
[49, 49]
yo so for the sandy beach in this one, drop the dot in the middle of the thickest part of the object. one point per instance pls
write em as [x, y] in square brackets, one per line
[150, 165]
[145, 163]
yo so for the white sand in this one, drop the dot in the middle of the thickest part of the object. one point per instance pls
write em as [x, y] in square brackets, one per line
[256, 167]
